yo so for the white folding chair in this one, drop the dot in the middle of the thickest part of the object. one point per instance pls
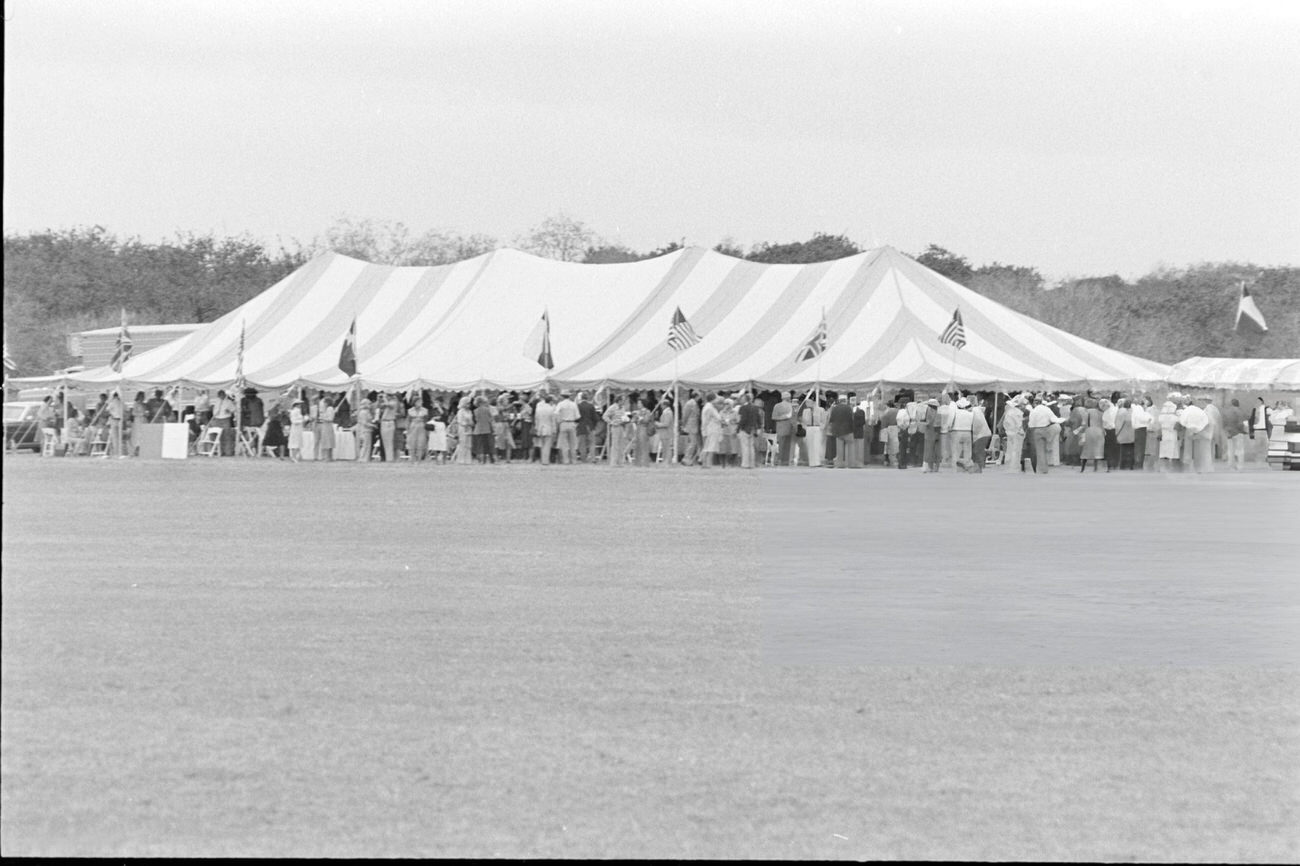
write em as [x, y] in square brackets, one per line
[49, 441]
[99, 445]
[769, 456]
[209, 444]
[250, 439]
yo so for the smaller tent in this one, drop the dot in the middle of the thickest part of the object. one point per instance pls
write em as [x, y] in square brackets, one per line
[1237, 374]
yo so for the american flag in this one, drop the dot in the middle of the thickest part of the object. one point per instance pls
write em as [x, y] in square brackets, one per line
[680, 333]
[955, 333]
[122, 351]
[816, 343]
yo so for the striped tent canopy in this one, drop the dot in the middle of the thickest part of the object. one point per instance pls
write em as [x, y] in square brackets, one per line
[884, 312]
[465, 326]
[1238, 374]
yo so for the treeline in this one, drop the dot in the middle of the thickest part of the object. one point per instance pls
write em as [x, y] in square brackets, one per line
[59, 282]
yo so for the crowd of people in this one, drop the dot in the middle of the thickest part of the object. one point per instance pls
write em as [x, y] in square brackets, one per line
[948, 430]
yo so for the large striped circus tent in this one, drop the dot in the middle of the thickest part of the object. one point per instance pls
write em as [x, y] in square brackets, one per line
[466, 325]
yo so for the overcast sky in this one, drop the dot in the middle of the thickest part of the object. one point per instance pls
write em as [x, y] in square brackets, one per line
[1082, 138]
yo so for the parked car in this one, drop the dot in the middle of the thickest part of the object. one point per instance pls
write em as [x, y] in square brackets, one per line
[21, 427]
[1284, 446]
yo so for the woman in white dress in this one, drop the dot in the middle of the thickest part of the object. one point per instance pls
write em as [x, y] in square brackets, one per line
[1170, 448]
[323, 425]
[438, 436]
[296, 420]
[417, 433]
[465, 432]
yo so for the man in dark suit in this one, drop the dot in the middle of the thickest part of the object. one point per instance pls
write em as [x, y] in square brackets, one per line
[1261, 422]
[841, 424]
[858, 448]
[588, 421]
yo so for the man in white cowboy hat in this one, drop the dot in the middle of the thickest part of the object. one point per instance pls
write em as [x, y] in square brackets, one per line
[1041, 419]
[930, 429]
[946, 413]
[566, 419]
[1053, 433]
[962, 419]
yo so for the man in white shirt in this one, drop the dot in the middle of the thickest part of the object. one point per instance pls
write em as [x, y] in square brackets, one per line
[1041, 419]
[566, 418]
[962, 419]
[1140, 419]
[223, 416]
[1203, 436]
[946, 413]
[783, 421]
[902, 421]
[980, 435]
[544, 428]
[1218, 440]
[1013, 424]
[710, 429]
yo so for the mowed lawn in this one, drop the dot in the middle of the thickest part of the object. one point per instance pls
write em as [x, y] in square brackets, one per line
[258, 658]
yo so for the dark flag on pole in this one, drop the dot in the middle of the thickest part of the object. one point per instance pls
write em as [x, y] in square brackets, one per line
[348, 354]
[681, 335]
[122, 351]
[1247, 310]
[955, 333]
[538, 345]
[816, 343]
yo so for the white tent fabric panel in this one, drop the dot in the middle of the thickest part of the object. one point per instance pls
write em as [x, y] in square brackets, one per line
[465, 325]
[1238, 374]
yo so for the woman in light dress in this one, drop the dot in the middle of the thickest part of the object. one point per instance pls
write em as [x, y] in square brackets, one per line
[1151, 457]
[438, 436]
[323, 426]
[1013, 424]
[297, 420]
[730, 450]
[616, 419]
[502, 421]
[1094, 436]
[417, 433]
[1170, 448]
[465, 431]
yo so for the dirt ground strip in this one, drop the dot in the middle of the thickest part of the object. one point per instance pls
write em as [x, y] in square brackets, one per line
[237, 658]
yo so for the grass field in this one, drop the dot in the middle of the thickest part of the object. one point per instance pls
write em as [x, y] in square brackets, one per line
[235, 658]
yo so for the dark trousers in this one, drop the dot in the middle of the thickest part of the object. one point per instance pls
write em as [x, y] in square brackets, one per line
[930, 444]
[783, 447]
[916, 454]
[1112, 450]
[1140, 445]
[1126, 455]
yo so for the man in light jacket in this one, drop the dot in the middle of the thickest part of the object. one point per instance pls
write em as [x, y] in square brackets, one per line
[783, 421]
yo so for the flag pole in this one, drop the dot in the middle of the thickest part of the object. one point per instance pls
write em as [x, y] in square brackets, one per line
[676, 410]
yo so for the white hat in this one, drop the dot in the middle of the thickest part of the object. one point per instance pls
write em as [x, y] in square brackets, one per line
[963, 403]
